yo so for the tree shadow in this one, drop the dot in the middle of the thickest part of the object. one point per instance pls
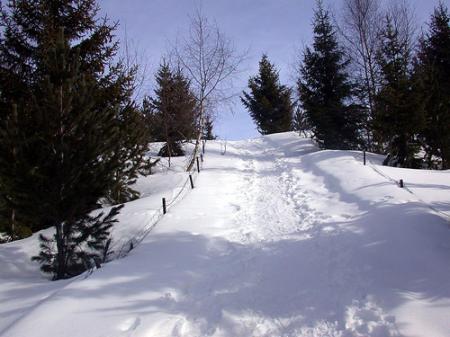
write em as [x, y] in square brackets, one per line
[216, 282]
[379, 257]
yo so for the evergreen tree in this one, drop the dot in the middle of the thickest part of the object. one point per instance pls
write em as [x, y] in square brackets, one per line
[268, 102]
[300, 122]
[62, 161]
[174, 110]
[10, 222]
[130, 150]
[325, 91]
[433, 69]
[29, 27]
[208, 132]
[152, 121]
[398, 114]
[81, 245]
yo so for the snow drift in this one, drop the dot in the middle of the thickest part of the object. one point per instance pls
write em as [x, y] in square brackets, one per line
[276, 239]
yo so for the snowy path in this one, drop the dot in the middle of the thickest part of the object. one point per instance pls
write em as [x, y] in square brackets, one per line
[277, 239]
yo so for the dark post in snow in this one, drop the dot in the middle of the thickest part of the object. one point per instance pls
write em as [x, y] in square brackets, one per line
[164, 206]
[192, 182]
[364, 156]
[203, 146]
[198, 166]
[401, 184]
[201, 157]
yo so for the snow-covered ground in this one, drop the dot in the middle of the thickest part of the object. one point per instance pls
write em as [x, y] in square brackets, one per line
[276, 239]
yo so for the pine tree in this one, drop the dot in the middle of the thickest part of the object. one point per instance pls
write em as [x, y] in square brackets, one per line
[174, 110]
[29, 27]
[325, 90]
[208, 132]
[398, 114]
[300, 122]
[131, 151]
[433, 69]
[64, 160]
[268, 102]
[81, 245]
[12, 223]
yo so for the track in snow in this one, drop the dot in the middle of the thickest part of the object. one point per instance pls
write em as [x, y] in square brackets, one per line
[277, 239]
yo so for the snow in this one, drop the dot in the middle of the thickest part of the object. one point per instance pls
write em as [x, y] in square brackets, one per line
[276, 239]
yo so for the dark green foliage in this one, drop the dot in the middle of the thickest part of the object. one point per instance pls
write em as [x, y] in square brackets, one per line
[433, 70]
[147, 168]
[325, 90]
[29, 26]
[66, 163]
[29, 31]
[172, 150]
[268, 102]
[60, 158]
[10, 224]
[81, 245]
[130, 150]
[152, 121]
[173, 110]
[300, 122]
[63, 156]
[398, 114]
[208, 131]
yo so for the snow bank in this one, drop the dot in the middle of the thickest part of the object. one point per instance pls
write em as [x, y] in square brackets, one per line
[276, 239]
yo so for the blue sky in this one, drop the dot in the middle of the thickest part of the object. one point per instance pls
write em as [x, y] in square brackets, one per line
[279, 28]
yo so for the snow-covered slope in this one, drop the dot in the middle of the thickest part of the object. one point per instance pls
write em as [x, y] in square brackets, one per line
[276, 239]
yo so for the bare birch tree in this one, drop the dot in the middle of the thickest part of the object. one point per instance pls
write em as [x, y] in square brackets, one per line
[134, 61]
[360, 28]
[404, 21]
[210, 61]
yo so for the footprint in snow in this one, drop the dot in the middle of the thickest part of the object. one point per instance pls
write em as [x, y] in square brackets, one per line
[235, 207]
[130, 324]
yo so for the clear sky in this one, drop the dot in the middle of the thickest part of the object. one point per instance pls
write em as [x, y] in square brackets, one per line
[279, 28]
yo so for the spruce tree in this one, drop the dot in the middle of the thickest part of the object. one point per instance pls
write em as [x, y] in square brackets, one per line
[152, 121]
[130, 150]
[81, 245]
[208, 132]
[29, 27]
[174, 110]
[268, 102]
[325, 90]
[63, 161]
[11, 223]
[398, 114]
[433, 70]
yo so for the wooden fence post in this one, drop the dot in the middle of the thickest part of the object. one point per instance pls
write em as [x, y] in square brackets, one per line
[198, 166]
[192, 182]
[164, 205]
[401, 184]
[364, 154]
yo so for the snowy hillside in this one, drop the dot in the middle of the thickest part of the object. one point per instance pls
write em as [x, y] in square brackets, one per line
[276, 239]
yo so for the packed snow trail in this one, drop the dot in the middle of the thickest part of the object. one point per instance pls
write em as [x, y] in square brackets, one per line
[276, 239]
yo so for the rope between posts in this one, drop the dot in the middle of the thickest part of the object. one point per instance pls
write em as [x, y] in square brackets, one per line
[371, 165]
[139, 237]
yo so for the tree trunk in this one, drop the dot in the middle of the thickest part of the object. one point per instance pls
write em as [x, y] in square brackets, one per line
[199, 138]
[61, 253]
